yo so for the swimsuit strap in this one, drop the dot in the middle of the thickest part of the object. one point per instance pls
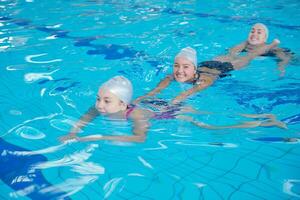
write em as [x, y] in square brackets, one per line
[129, 110]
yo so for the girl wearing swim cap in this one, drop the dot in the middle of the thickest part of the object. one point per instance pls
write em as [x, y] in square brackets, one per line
[256, 45]
[114, 95]
[113, 101]
[184, 71]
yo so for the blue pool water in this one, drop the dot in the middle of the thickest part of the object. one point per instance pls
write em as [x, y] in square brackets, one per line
[55, 54]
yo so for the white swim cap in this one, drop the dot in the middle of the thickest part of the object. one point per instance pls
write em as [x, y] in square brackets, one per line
[119, 86]
[263, 27]
[188, 53]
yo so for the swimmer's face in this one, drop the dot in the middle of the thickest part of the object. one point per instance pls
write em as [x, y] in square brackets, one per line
[108, 103]
[257, 35]
[183, 70]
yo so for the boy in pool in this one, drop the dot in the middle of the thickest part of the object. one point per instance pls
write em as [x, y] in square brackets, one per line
[113, 101]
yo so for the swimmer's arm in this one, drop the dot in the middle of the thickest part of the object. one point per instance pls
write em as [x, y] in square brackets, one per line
[140, 127]
[274, 44]
[238, 48]
[124, 138]
[162, 85]
[284, 59]
[189, 92]
[90, 115]
[141, 123]
[262, 50]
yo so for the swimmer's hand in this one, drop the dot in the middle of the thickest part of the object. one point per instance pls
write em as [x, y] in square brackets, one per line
[90, 138]
[276, 41]
[70, 136]
[177, 100]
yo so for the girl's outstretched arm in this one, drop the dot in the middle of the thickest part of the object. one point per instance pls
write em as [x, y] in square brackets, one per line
[162, 85]
[140, 127]
[90, 115]
[238, 48]
[121, 138]
[205, 83]
[284, 59]
[265, 49]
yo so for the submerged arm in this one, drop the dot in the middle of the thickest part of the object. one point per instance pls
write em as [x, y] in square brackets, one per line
[91, 114]
[237, 49]
[162, 85]
[265, 49]
[284, 59]
[206, 83]
[121, 138]
[140, 127]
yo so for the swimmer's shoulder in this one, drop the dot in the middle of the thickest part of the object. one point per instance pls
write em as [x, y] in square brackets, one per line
[277, 51]
[139, 113]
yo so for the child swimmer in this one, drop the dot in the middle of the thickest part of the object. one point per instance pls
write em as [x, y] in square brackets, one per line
[114, 102]
[204, 74]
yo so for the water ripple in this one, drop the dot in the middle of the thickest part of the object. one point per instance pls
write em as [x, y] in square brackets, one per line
[110, 186]
[76, 161]
[36, 152]
[88, 168]
[34, 119]
[292, 187]
[144, 162]
[30, 133]
[70, 186]
[29, 59]
[62, 124]
[192, 143]
[32, 77]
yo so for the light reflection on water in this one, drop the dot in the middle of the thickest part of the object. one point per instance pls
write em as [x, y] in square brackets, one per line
[53, 67]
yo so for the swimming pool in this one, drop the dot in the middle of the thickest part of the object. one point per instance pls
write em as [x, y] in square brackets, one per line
[55, 54]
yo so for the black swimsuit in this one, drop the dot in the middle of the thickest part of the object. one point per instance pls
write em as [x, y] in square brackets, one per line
[272, 52]
[223, 67]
